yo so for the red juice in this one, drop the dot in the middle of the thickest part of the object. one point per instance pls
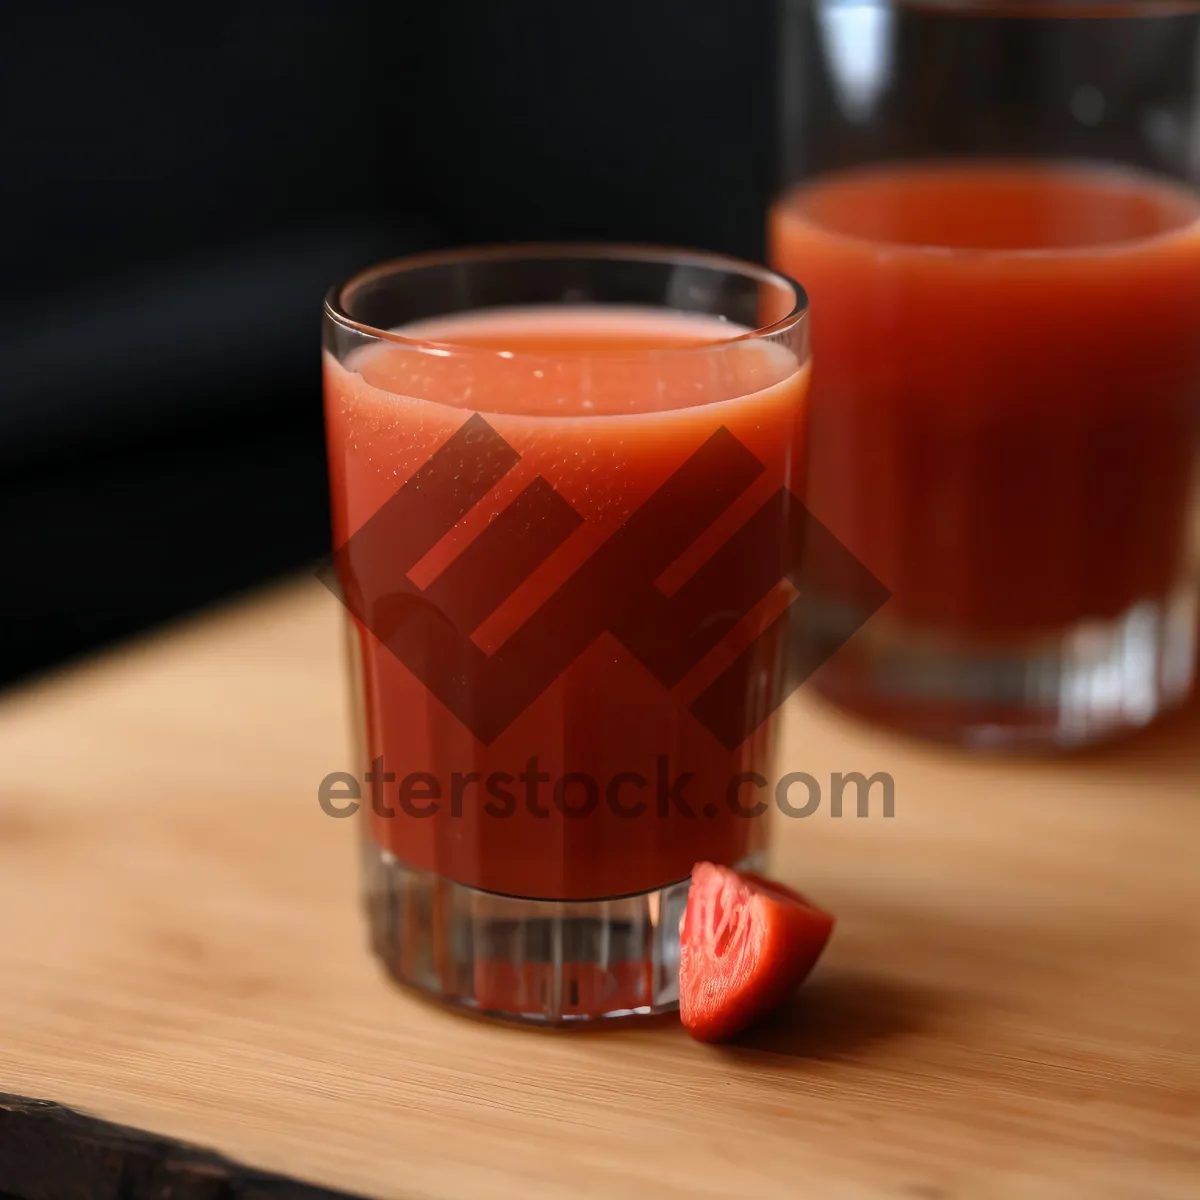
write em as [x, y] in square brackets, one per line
[603, 403]
[1005, 416]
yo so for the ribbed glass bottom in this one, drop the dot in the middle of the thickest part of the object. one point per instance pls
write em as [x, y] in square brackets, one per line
[1096, 682]
[540, 961]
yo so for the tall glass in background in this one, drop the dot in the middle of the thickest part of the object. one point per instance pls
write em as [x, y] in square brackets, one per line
[993, 208]
[539, 460]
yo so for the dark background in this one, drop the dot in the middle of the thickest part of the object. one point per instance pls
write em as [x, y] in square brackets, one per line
[179, 185]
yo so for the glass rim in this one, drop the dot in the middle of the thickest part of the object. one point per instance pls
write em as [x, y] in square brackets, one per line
[1053, 9]
[336, 309]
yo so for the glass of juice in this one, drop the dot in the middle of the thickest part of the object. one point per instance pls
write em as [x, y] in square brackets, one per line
[561, 478]
[993, 207]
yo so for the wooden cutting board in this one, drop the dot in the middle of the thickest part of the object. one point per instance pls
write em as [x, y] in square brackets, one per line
[1010, 1007]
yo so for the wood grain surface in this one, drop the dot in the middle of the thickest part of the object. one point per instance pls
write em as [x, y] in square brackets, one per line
[1010, 1006]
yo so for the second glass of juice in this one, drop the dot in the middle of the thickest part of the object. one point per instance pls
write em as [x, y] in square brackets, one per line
[555, 479]
[993, 207]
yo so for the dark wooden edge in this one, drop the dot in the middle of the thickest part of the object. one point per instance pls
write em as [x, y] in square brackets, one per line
[48, 1152]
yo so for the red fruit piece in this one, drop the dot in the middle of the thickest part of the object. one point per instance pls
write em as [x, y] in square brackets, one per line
[746, 943]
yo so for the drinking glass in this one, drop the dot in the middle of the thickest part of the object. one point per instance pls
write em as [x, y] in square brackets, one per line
[562, 480]
[993, 207]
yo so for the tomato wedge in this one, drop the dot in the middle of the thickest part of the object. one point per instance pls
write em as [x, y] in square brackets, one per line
[745, 944]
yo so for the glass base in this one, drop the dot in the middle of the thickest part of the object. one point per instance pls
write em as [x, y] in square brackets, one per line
[1096, 682]
[543, 962]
